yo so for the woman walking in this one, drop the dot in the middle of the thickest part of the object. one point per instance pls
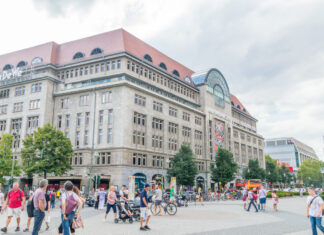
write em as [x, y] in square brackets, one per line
[71, 206]
[275, 200]
[111, 202]
[199, 197]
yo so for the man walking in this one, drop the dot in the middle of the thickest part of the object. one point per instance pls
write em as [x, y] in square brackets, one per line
[158, 200]
[315, 207]
[16, 201]
[145, 209]
[263, 198]
[39, 205]
[252, 197]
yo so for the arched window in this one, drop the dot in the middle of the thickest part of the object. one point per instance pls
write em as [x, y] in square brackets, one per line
[187, 79]
[219, 95]
[175, 72]
[163, 66]
[96, 51]
[232, 103]
[36, 60]
[78, 55]
[244, 110]
[7, 67]
[238, 106]
[148, 57]
[21, 64]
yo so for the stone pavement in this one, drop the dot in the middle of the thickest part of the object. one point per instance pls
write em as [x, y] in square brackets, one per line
[214, 218]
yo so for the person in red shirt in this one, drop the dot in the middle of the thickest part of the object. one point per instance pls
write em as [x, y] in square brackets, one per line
[16, 201]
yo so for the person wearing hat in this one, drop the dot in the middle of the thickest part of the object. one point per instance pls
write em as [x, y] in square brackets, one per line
[145, 209]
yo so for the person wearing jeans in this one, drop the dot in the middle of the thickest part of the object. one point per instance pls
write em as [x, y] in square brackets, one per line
[39, 205]
[315, 207]
[250, 196]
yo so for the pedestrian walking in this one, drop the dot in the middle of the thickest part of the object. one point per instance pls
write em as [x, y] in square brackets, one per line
[301, 191]
[47, 210]
[71, 206]
[39, 201]
[158, 200]
[111, 202]
[275, 200]
[1, 200]
[145, 209]
[123, 193]
[30, 210]
[14, 205]
[199, 197]
[315, 207]
[262, 198]
[245, 197]
[52, 197]
[96, 197]
[102, 195]
[252, 198]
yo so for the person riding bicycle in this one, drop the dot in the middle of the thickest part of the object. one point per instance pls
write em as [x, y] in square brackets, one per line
[172, 195]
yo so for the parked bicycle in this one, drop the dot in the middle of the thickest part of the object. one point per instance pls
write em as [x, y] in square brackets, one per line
[168, 208]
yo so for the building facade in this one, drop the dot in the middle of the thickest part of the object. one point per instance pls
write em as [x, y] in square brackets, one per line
[289, 150]
[126, 107]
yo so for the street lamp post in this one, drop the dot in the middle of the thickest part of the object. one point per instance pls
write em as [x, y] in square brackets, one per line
[167, 162]
[15, 135]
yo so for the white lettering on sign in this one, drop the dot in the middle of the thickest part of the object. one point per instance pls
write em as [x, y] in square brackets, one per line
[10, 74]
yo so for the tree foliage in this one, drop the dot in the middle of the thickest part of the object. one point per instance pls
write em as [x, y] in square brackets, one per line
[310, 172]
[225, 169]
[47, 150]
[254, 171]
[5, 158]
[272, 170]
[183, 167]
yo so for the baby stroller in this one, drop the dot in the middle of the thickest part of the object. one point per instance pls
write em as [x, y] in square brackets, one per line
[122, 215]
[135, 210]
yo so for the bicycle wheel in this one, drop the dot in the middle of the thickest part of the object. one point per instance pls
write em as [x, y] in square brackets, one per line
[171, 209]
[153, 209]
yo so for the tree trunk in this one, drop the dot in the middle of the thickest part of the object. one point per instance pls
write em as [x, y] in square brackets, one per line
[44, 174]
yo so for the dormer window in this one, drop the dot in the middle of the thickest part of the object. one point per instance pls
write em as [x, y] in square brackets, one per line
[176, 73]
[187, 79]
[163, 66]
[36, 60]
[21, 64]
[238, 106]
[78, 55]
[96, 51]
[244, 110]
[7, 67]
[232, 103]
[148, 58]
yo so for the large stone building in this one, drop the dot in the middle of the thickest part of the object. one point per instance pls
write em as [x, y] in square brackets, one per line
[289, 150]
[126, 107]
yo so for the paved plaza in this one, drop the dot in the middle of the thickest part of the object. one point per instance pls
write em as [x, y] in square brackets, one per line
[214, 218]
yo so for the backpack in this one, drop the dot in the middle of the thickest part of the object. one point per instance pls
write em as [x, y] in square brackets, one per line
[52, 197]
[71, 203]
[31, 207]
[254, 196]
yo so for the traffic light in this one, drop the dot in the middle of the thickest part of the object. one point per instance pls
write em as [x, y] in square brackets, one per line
[98, 179]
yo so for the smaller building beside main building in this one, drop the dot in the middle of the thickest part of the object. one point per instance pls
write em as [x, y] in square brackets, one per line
[289, 150]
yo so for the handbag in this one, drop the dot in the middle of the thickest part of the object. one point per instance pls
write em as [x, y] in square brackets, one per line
[77, 223]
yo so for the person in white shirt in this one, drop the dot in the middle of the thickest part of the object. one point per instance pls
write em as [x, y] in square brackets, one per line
[315, 207]
[1, 200]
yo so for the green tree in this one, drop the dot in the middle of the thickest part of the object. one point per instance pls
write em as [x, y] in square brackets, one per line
[254, 171]
[5, 158]
[225, 168]
[183, 167]
[47, 150]
[310, 172]
[272, 170]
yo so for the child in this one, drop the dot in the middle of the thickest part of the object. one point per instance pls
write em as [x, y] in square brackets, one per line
[275, 200]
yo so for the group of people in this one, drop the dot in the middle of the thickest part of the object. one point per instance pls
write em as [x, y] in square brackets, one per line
[258, 199]
[39, 204]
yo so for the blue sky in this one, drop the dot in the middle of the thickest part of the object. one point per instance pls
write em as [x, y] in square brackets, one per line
[271, 52]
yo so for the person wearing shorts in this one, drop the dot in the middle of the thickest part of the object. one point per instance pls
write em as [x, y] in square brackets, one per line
[111, 202]
[30, 211]
[145, 209]
[262, 198]
[158, 200]
[16, 204]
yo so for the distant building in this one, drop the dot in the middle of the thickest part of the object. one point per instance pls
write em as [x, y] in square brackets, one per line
[289, 150]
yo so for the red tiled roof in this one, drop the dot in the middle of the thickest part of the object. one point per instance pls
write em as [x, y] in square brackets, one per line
[110, 42]
[236, 102]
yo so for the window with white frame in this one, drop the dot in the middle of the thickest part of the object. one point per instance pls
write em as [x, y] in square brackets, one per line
[173, 144]
[157, 124]
[186, 116]
[186, 131]
[157, 141]
[106, 97]
[197, 120]
[84, 100]
[110, 116]
[101, 117]
[3, 125]
[18, 107]
[65, 103]
[34, 104]
[103, 158]
[139, 159]
[100, 136]
[79, 119]
[20, 91]
[109, 135]
[4, 93]
[36, 87]
[157, 106]
[67, 121]
[138, 138]
[140, 100]
[87, 118]
[198, 135]
[32, 122]
[173, 112]
[157, 161]
[77, 138]
[173, 128]
[139, 119]
[86, 137]
[3, 109]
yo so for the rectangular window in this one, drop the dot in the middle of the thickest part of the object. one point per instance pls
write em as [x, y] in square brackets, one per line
[76, 72]
[173, 112]
[86, 71]
[86, 137]
[36, 87]
[81, 71]
[3, 125]
[140, 100]
[20, 91]
[109, 138]
[198, 135]
[78, 119]
[138, 138]
[32, 122]
[102, 67]
[198, 121]
[71, 74]
[139, 119]
[118, 64]
[77, 139]
[65, 103]
[18, 107]
[110, 116]
[84, 100]
[157, 124]
[108, 65]
[67, 120]
[186, 131]
[4, 94]
[186, 116]
[106, 97]
[173, 128]
[87, 118]
[97, 68]
[34, 104]
[113, 65]
[59, 121]
[3, 109]
[157, 106]
[101, 117]
[100, 135]
[91, 69]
